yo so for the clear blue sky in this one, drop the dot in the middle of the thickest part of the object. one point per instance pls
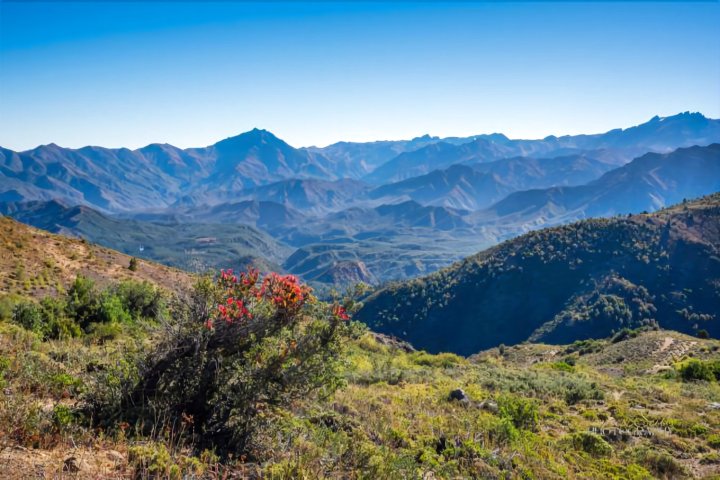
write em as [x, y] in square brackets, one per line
[130, 73]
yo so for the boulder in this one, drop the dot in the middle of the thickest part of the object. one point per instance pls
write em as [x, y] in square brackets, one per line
[489, 405]
[459, 395]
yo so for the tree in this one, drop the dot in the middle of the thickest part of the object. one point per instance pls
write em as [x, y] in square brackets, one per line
[83, 301]
[133, 266]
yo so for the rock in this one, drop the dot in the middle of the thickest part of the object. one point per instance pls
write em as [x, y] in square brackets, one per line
[489, 405]
[393, 342]
[459, 395]
[714, 405]
[74, 465]
[115, 456]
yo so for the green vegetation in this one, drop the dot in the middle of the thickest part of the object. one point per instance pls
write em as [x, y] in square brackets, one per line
[309, 395]
[700, 370]
[86, 310]
[253, 377]
[586, 280]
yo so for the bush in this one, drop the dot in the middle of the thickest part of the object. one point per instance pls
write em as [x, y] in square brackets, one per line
[104, 332]
[110, 309]
[660, 463]
[697, 370]
[714, 440]
[591, 443]
[141, 299]
[4, 366]
[28, 316]
[48, 319]
[521, 411]
[63, 417]
[83, 302]
[563, 366]
[56, 323]
[624, 334]
[244, 347]
[440, 360]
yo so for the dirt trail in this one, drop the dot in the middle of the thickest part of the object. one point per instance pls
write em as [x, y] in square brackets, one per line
[667, 341]
[673, 351]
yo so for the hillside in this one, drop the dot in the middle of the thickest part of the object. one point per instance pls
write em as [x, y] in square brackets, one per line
[566, 283]
[638, 405]
[528, 411]
[194, 247]
[36, 263]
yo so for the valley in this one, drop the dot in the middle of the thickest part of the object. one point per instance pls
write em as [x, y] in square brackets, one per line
[371, 212]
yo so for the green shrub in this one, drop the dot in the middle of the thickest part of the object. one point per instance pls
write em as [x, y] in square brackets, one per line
[4, 366]
[111, 309]
[714, 440]
[591, 443]
[624, 334]
[521, 411]
[659, 462]
[55, 322]
[141, 299]
[29, 316]
[7, 306]
[83, 302]
[577, 391]
[440, 360]
[504, 431]
[697, 370]
[104, 332]
[63, 417]
[562, 366]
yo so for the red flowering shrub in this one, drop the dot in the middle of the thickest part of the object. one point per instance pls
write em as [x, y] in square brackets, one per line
[245, 344]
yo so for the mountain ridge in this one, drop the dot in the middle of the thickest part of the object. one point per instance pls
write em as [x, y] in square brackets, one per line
[588, 277]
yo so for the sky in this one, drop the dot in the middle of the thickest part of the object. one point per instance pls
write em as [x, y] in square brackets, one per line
[190, 74]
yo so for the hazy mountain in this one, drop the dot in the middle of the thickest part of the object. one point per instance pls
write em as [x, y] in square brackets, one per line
[566, 283]
[155, 176]
[161, 176]
[648, 183]
[258, 157]
[309, 195]
[477, 186]
[110, 179]
[616, 146]
[522, 173]
[458, 186]
[361, 158]
[437, 156]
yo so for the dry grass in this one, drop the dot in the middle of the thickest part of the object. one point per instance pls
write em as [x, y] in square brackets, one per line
[38, 263]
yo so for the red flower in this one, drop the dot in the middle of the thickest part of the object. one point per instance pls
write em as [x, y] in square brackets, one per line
[340, 312]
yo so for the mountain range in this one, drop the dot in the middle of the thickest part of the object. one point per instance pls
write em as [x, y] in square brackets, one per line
[373, 211]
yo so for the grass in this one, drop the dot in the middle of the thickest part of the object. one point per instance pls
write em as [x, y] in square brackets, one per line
[393, 419]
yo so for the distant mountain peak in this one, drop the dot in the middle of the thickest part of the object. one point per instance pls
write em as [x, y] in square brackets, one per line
[255, 133]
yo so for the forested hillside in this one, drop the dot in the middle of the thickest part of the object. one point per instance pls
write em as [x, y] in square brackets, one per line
[567, 283]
